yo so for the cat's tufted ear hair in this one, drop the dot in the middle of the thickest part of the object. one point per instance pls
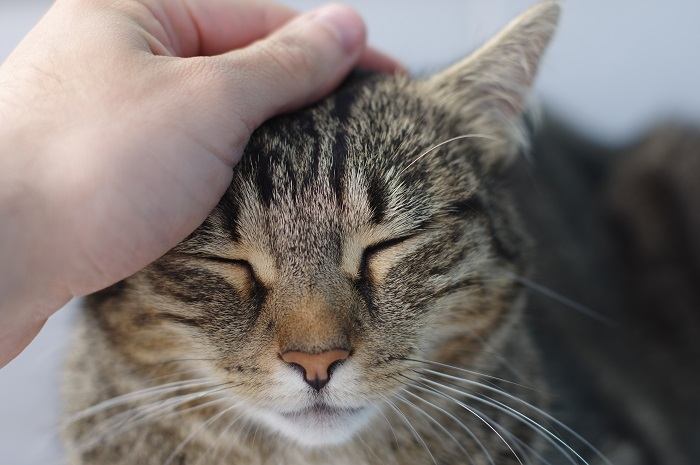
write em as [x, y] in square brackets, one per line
[490, 87]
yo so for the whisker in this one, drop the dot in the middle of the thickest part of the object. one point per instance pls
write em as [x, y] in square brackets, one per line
[174, 374]
[131, 418]
[562, 299]
[549, 436]
[148, 392]
[523, 444]
[223, 433]
[489, 419]
[538, 410]
[368, 450]
[196, 431]
[471, 372]
[391, 427]
[519, 443]
[177, 360]
[433, 420]
[437, 146]
[471, 434]
[410, 426]
[476, 414]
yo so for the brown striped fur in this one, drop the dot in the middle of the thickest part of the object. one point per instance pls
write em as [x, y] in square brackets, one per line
[340, 230]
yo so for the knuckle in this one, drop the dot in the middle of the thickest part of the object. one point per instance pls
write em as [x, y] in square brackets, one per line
[206, 71]
[290, 56]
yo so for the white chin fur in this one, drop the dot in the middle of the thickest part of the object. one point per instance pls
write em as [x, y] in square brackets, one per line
[311, 430]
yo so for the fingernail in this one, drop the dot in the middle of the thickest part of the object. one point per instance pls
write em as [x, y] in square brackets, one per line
[345, 23]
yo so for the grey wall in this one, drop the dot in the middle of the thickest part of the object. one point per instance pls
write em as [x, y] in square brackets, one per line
[615, 66]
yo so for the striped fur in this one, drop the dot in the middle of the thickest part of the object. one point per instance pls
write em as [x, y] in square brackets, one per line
[342, 228]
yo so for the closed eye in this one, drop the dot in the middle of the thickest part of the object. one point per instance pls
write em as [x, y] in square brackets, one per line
[373, 250]
[246, 265]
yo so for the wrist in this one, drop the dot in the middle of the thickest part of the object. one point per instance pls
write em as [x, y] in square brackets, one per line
[30, 277]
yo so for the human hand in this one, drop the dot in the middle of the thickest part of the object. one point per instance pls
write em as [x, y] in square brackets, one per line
[120, 124]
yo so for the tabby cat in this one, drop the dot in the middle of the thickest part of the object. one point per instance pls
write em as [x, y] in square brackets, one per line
[355, 298]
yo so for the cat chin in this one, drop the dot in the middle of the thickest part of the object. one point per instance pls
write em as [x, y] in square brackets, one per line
[315, 429]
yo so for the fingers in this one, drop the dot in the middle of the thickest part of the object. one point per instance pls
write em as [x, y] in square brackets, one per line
[225, 25]
[297, 64]
[375, 60]
[292, 65]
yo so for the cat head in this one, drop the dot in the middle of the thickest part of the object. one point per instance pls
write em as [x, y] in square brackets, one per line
[358, 236]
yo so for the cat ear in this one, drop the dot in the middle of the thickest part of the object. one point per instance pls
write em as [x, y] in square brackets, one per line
[490, 87]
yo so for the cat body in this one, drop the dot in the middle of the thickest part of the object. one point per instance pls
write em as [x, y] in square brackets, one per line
[355, 298]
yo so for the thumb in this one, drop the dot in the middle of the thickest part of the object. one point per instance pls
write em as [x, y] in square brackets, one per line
[299, 63]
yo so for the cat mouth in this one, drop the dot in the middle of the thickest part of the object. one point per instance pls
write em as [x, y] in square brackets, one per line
[318, 424]
[321, 411]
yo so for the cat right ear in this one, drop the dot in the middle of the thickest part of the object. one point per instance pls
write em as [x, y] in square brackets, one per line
[490, 87]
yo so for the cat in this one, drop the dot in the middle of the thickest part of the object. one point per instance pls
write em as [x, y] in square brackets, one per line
[355, 298]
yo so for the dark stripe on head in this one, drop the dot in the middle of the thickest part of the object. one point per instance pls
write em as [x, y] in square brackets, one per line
[378, 198]
[290, 177]
[307, 125]
[264, 176]
[340, 150]
[228, 210]
[342, 108]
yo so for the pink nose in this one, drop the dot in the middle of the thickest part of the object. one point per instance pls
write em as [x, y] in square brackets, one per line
[317, 367]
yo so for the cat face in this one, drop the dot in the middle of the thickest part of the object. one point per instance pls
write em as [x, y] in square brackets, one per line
[358, 235]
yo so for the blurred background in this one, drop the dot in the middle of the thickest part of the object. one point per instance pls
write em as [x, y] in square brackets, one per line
[613, 70]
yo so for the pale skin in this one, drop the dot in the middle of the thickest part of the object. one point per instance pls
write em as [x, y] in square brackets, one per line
[120, 122]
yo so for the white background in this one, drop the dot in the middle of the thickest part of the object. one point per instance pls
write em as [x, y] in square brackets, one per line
[616, 66]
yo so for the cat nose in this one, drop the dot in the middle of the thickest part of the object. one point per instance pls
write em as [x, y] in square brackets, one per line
[317, 368]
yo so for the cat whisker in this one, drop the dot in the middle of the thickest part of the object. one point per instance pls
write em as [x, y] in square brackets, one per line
[516, 442]
[437, 146]
[391, 426]
[544, 432]
[161, 410]
[369, 449]
[135, 395]
[522, 446]
[196, 431]
[214, 448]
[471, 372]
[536, 409]
[497, 425]
[413, 430]
[477, 415]
[131, 418]
[412, 383]
[513, 413]
[433, 420]
[113, 431]
[562, 299]
[178, 360]
[255, 433]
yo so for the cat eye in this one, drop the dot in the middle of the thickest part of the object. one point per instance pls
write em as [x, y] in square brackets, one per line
[231, 261]
[375, 249]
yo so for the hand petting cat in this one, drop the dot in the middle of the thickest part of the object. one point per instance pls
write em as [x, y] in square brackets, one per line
[120, 122]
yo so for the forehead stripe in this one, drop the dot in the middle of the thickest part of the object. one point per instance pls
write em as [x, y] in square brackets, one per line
[377, 197]
[342, 107]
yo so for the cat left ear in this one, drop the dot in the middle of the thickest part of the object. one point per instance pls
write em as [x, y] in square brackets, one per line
[490, 87]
